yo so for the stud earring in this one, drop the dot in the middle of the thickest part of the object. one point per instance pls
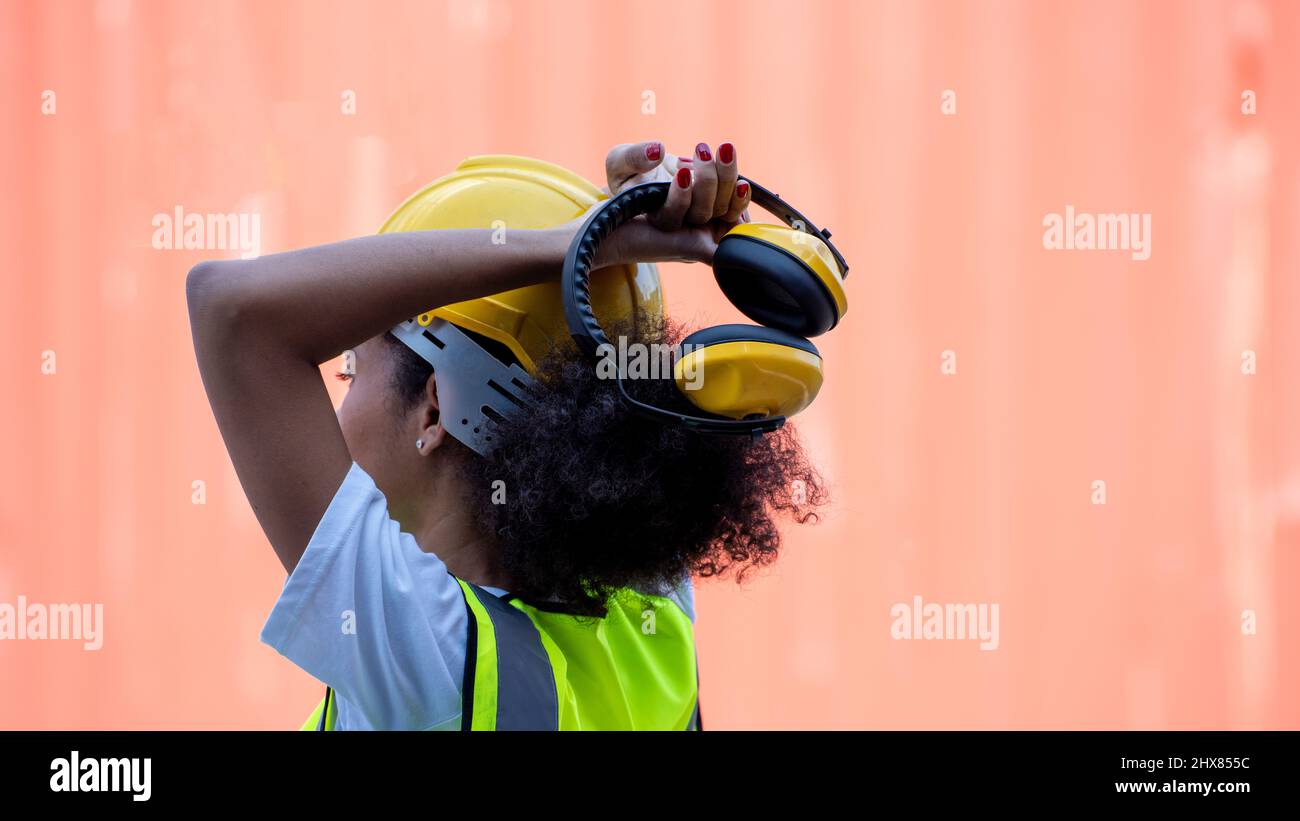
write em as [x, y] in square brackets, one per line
[419, 444]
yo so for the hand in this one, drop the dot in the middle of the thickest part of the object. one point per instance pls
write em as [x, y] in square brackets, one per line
[641, 241]
[707, 187]
[705, 200]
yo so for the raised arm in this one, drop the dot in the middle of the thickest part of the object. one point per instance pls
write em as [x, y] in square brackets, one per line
[263, 326]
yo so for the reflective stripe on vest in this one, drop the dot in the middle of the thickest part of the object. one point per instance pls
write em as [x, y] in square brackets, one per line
[510, 679]
[510, 685]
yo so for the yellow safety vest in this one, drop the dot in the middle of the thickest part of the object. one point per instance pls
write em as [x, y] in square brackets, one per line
[530, 668]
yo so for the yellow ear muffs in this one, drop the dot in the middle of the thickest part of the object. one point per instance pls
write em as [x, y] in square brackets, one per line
[748, 379]
[743, 371]
[781, 277]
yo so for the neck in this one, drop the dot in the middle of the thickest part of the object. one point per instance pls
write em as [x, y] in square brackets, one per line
[462, 547]
[442, 526]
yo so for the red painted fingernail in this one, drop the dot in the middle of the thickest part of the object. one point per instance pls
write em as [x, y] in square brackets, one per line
[702, 151]
[654, 151]
[742, 189]
[684, 177]
[727, 153]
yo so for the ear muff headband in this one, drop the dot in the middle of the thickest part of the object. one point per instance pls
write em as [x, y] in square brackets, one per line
[629, 204]
[589, 337]
[586, 331]
[575, 285]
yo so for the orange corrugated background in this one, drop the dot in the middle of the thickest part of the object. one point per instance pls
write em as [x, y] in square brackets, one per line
[973, 487]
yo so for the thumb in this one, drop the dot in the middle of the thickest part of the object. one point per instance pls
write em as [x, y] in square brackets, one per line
[630, 159]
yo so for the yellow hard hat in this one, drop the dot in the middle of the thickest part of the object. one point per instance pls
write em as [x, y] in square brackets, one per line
[505, 192]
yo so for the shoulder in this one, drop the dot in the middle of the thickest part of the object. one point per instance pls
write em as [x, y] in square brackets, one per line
[369, 613]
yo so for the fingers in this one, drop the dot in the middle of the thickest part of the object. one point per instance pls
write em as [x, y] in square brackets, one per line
[670, 216]
[739, 202]
[623, 162]
[705, 186]
[726, 168]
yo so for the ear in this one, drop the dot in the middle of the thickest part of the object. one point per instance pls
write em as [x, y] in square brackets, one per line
[432, 433]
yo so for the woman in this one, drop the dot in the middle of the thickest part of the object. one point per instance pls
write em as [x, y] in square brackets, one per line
[542, 583]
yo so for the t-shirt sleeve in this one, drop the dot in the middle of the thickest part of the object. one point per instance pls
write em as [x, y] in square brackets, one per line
[369, 613]
[684, 593]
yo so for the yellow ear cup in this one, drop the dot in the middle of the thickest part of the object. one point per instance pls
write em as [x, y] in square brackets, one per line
[781, 277]
[744, 378]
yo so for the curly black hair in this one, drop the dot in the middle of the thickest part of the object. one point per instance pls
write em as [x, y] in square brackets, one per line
[599, 499]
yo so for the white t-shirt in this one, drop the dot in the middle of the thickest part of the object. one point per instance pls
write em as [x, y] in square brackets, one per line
[369, 613]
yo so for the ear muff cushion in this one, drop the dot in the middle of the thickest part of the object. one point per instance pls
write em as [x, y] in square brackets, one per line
[742, 371]
[719, 334]
[771, 286]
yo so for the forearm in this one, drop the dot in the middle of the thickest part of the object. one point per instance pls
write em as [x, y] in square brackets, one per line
[317, 302]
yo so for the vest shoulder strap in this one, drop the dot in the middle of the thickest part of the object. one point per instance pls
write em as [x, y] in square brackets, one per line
[509, 682]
